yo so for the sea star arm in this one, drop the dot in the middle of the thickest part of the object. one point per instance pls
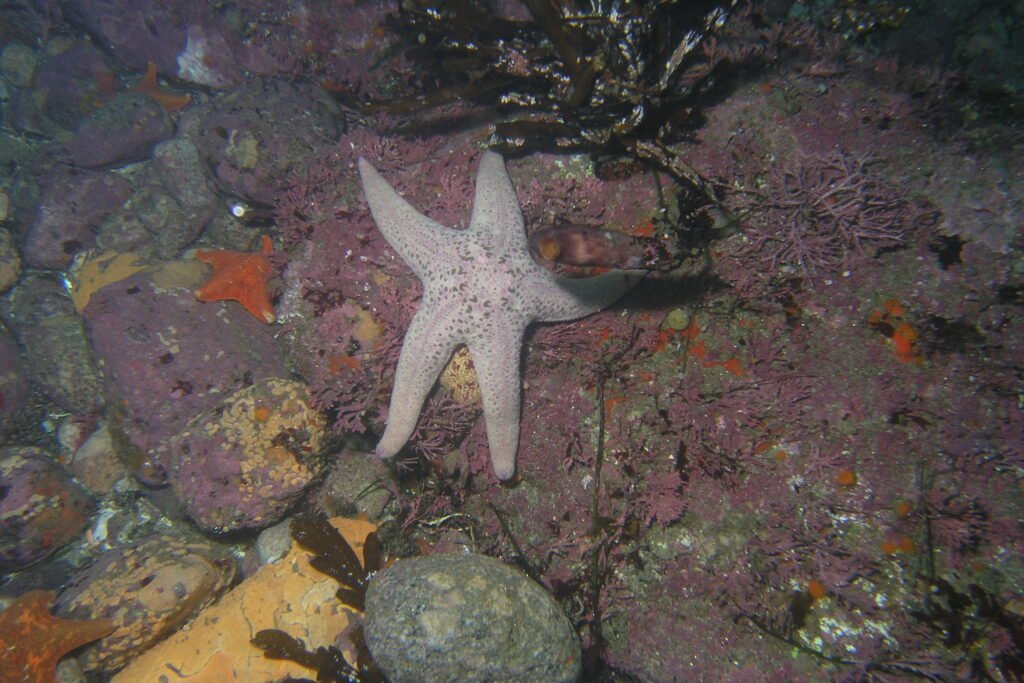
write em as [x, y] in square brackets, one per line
[496, 214]
[566, 298]
[496, 360]
[427, 347]
[417, 239]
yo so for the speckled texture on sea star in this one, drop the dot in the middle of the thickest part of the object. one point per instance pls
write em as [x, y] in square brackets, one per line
[481, 288]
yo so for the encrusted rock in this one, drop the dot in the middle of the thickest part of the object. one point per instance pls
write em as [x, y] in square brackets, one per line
[356, 484]
[168, 357]
[148, 589]
[466, 618]
[258, 137]
[41, 508]
[56, 350]
[243, 463]
[171, 205]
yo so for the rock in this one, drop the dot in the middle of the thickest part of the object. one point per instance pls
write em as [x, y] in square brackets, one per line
[258, 138]
[149, 589]
[96, 463]
[180, 170]
[288, 595]
[466, 618]
[73, 204]
[274, 542]
[10, 261]
[244, 462]
[18, 64]
[168, 357]
[68, 85]
[355, 485]
[14, 386]
[41, 508]
[170, 207]
[123, 130]
[56, 351]
[188, 42]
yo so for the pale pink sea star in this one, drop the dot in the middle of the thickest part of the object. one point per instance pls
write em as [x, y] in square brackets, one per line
[481, 288]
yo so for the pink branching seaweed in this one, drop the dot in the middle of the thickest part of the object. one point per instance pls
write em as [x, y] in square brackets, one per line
[822, 214]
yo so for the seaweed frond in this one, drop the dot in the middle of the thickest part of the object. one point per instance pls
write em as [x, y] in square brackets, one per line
[333, 556]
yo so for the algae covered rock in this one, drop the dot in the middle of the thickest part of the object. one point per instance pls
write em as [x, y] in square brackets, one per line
[243, 463]
[41, 508]
[466, 618]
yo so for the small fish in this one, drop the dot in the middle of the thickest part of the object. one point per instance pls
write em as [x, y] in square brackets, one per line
[583, 246]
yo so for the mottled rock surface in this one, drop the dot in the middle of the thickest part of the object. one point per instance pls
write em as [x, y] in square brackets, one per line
[259, 137]
[73, 204]
[96, 463]
[148, 589]
[171, 205]
[184, 41]
[356, 484]
[466, 618]
[123, 130]
[41, 508]
[245, 461]
[14, 385]
[167, 357]
[56, 350]
[68, 85]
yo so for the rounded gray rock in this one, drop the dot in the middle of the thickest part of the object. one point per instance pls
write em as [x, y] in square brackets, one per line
[466, 618]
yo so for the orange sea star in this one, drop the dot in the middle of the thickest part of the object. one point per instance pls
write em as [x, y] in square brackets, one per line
[148, 86]
[32, 640]
[242, 277]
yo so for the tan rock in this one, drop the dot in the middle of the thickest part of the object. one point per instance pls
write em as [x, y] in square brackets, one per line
[148, 589]
[289, 595]
[96, 463]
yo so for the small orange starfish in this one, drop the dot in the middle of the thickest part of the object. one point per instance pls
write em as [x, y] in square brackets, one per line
[242, 277]
[32, 640]
[148, 86]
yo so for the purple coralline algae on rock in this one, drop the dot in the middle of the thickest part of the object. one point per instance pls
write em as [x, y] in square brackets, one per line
[258, 137]
[72, 206]
[167, 358]
[123, 130]
[188, 41]
[244, 462]
[41, 507]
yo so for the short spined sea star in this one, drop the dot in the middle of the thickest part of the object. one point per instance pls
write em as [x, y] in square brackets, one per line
[481, 288]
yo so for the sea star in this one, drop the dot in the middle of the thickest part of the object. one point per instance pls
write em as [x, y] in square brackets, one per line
[240, 276]
[148, 86]
[32, 640]
[481, 288]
